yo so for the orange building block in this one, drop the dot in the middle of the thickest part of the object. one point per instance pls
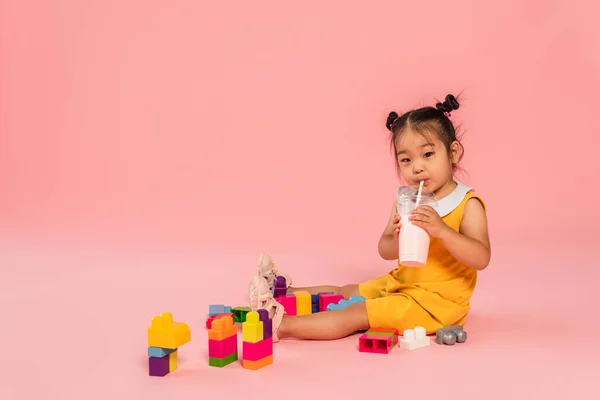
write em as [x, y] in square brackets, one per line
[222, 328]
[254, 365]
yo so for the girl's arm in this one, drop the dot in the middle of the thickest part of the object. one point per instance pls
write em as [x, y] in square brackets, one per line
[472, 245]
[388, 243]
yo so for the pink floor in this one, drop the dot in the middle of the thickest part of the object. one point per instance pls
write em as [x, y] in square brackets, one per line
[75, 319]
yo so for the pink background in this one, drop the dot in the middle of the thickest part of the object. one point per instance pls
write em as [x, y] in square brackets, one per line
[149, 151]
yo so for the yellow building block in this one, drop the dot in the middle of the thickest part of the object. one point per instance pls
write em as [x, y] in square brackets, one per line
[173, 361]
[165, 333]
[303, 302]
[252, 329]
[222, 328]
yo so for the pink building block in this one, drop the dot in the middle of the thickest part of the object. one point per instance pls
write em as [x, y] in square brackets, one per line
[289, 303]
[374, 344]
[257, 351]
[222, 348]
[326, 299]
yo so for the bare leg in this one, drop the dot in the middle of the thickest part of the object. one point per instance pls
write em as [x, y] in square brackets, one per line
[327, 325]
[346, 291]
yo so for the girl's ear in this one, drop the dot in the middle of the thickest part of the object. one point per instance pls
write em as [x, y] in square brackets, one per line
[455, 152]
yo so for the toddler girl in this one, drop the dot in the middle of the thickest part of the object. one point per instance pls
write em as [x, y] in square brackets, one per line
[432, 296]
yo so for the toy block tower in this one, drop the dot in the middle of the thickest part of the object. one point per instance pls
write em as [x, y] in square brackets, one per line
[257, 336]
[164, 338]
[222, 342]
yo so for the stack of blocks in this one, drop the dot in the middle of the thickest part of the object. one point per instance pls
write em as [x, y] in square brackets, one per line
[222, 342]
[257, 337]
[164, 338]
[378, 340]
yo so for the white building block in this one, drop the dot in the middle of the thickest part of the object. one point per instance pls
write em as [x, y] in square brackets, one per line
[414, 339]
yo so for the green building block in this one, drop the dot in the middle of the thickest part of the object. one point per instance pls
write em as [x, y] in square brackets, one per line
[239, 313]
[221, 362]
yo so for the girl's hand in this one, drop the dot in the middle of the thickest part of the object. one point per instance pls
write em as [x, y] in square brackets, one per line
[428, 219]
[397, 226]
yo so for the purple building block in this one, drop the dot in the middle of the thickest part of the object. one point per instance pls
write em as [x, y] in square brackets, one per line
[263, 315]
[158, 366]
[279, 287]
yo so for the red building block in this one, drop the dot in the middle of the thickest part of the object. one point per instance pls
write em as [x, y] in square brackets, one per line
[257, 351]
[374, 344]
[326, 299]
[222, 348]
[289, 303]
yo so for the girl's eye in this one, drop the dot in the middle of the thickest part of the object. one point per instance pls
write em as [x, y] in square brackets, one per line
[405, 160]
[429, 154]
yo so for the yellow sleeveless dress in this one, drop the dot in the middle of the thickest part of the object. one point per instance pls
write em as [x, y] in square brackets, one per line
[433, 296]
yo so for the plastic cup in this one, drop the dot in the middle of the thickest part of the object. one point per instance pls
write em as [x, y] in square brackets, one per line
[413, 248]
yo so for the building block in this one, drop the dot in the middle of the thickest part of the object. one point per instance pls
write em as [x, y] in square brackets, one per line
[159, 352]
[239, 313]
[258, 350]
[414, 339]
[159, 366]
[289, 303]
[450, 335]
[326, 299]
[315, 301]
[345, 303]
[255, 365]
[222, 362]
[279, 286]
[216, 309]
[385, 332]
[222, 328]
[212, 318]
[263, 315]
[165, 333]
[381, 344]
[252, 328]
[303, 302]
[222, 348]
[173, 361]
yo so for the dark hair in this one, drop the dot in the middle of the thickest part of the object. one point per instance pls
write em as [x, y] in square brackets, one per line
[425, 121]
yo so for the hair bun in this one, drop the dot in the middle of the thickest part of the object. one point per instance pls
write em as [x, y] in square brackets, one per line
[390, 120]
[449, 105]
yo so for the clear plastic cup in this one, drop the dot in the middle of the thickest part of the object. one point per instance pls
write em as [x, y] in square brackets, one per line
[413, 249]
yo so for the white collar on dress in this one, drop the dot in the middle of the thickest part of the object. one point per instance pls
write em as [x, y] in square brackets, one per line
[446, 205]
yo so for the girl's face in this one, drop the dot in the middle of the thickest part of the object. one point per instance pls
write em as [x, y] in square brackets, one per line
[424, 158]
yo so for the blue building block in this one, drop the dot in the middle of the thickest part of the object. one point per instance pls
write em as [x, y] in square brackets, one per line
[227, 309]
[215, 309]
[345, 303]
[159, 352]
